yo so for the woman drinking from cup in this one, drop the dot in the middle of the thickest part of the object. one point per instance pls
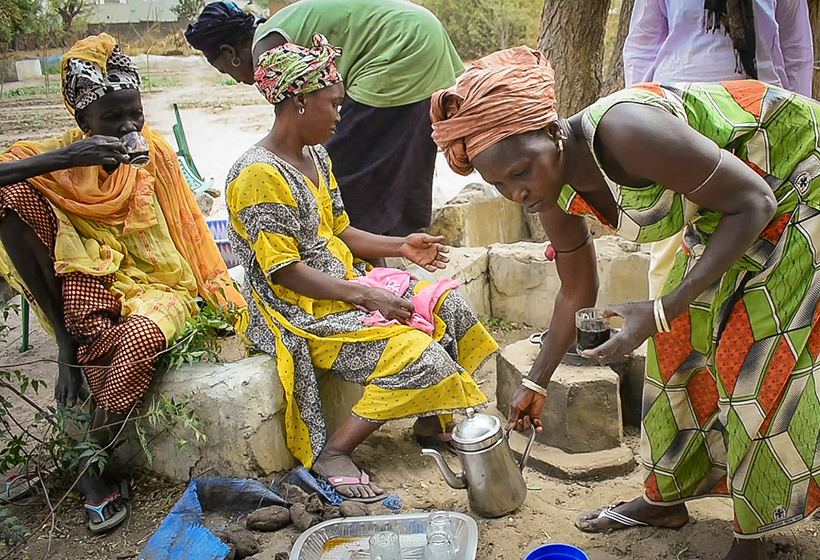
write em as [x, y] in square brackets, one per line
[102, 235]
[731, 387]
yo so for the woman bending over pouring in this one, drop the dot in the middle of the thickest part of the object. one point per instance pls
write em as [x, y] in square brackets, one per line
[315, 304]
[733, 379]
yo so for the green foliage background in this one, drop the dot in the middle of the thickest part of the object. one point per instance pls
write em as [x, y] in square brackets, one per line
[479, 27]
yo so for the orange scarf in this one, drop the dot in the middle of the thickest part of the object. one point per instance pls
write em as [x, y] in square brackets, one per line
[125, 198]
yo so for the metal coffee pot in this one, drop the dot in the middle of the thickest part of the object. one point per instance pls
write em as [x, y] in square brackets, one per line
[494, 483]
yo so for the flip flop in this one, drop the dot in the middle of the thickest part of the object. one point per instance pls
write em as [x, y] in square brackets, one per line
[336, 481]
[609, 512]
[18, 485]
[111, 522]
[442, 441]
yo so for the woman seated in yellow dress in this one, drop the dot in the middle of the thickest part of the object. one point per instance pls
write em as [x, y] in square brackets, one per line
[315, 304]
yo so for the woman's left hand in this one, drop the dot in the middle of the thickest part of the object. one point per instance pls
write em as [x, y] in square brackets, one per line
[639, 324]
[425, 250]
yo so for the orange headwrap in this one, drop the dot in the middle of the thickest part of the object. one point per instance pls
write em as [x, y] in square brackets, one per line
[503, 94]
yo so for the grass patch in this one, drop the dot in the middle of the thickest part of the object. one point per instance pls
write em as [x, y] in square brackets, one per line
[159, 82]
[28, 91]
[226, 81]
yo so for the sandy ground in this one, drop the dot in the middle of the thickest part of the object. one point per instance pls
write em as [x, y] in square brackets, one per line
[220, 122]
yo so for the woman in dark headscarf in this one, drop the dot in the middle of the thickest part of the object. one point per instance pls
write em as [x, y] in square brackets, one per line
[731, 393]
[224, 34]
[315, 304]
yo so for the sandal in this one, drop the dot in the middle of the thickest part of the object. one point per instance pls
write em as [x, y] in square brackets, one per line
[585, 520]
[18, 485]
[337, 481]
[111, 522]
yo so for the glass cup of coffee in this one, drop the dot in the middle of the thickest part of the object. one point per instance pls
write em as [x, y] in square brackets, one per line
[136, 146]
[591, 328]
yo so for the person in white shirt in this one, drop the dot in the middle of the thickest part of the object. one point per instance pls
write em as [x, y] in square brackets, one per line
[701, 41]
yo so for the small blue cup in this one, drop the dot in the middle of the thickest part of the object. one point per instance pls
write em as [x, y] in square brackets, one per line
[557, 551]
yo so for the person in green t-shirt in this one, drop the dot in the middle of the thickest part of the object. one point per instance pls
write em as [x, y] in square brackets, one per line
[395, 54]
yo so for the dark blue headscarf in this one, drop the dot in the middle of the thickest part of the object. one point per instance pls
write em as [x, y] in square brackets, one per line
[220, 23]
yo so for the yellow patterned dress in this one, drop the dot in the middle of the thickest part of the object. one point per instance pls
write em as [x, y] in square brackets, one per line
[278, 217]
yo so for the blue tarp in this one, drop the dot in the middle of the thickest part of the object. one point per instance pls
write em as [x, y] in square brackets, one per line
[182, 536]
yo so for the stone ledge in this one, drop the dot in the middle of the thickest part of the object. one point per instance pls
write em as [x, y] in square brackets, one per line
[479, 216]
[583, 408]
[241, 404]
[467, 264]
[596, 465]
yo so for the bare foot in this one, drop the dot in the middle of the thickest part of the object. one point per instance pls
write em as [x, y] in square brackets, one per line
[747, 549]
[332, 463]
[670, 517]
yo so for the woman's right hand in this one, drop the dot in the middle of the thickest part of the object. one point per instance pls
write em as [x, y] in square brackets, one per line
[525, 410]
[108, 151]
[390, 306]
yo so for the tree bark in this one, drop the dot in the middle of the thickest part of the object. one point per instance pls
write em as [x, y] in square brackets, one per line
[615, 75]
[814, 18]
[572, 37]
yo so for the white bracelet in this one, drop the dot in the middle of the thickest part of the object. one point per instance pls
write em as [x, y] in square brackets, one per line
[661, 324]
[533, 386]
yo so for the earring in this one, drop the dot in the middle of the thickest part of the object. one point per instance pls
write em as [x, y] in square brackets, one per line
[235, 62]
[302, 111]
[561, 145]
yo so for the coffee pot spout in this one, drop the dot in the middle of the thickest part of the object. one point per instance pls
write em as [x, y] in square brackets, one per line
[457, 481]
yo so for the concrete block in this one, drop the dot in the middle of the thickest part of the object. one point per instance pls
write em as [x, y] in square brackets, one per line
[596, 465]
[538, 235]
[28, 69]
[479, 216]
[631, 374]
[583, 409]
[467, 264]
[241, 404]
[524, 284]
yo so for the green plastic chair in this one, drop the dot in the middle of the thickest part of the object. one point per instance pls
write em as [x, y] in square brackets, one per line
[186, 162]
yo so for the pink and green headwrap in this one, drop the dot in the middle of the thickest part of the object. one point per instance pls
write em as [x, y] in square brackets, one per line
[290, 69]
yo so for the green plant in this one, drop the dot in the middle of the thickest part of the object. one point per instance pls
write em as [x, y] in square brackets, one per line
[199, 339]
[151, 82]
[26, 91]
[188, 10]
[58, 439]
[226, 81]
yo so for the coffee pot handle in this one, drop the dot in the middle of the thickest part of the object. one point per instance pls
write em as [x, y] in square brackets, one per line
[526, 454]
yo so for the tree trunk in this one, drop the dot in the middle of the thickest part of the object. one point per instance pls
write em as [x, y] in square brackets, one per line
[814, 18]
[572, 37]
[615, 75]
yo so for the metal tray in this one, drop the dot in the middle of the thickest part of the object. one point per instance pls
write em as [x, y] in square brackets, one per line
[346, 538]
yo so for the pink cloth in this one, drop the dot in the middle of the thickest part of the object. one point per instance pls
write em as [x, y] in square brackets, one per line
[397, 282]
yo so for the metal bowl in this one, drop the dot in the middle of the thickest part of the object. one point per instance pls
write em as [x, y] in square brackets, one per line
[343, 539]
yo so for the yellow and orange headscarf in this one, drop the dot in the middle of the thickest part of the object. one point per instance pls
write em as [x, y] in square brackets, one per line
[505, 93]
[125, 197]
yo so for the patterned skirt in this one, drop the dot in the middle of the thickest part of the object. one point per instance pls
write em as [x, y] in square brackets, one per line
[404, 371]
[118, 354]
[732, 394]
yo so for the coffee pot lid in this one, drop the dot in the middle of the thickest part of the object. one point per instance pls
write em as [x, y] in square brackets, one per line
[477, 431]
